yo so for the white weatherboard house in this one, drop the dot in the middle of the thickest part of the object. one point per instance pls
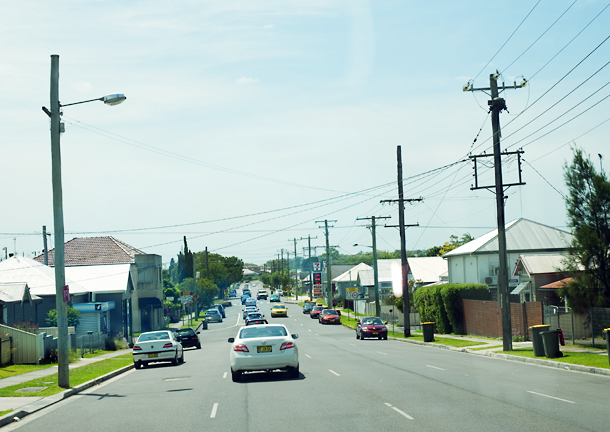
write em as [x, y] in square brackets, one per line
[478, 261]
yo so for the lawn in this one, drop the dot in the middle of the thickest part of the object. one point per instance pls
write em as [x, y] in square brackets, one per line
[12, 370]
[78, 376]
[583, 359]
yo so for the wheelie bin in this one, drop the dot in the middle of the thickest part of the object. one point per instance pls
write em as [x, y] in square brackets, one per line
[608, 342]
[428, 330]
[537, 339]
[550, 340]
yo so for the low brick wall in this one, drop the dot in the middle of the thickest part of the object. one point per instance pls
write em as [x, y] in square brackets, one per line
[484, 318]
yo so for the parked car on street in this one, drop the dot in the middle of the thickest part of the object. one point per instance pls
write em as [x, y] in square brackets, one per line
[329, 316]
[233, 293]
[213, 315]
[220, 308]
[307, 307]
[157, 346]
[371, 327]
[263, 347]
[188, 338]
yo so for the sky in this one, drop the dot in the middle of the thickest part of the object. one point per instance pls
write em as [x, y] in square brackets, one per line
[248, 122]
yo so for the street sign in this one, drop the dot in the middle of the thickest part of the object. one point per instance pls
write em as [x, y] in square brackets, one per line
[185, 293]
[186, 299]
[195, 297]
[316, 266]
[66, 292]
[169, 298]
[351, 295]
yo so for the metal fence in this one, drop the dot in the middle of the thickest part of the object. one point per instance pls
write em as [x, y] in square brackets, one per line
[88, 343]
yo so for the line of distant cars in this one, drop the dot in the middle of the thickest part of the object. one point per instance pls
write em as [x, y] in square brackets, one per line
[322, 313]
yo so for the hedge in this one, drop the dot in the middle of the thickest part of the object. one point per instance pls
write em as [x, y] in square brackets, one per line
[443, 304]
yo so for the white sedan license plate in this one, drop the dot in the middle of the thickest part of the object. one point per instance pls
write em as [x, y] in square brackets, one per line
[263, 349]
[153, 355]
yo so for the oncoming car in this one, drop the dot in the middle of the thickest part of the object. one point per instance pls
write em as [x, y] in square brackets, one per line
[279, 310]
[371, 327]
[263, 348]
[157, 346]
[328, 316]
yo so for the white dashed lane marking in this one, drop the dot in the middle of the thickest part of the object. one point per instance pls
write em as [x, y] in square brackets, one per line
[225, 375]
[382, 353]
[551, 397]
[402, 413]
[333, 372]
[434, 367]
[307, 355]
[214, 408]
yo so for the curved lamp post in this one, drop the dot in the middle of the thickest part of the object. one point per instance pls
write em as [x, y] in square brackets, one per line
[62, 295]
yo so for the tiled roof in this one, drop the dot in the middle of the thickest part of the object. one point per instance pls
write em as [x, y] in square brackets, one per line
[82, 251]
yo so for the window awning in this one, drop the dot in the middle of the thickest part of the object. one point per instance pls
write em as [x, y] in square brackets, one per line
[520, 287]
[150, 301]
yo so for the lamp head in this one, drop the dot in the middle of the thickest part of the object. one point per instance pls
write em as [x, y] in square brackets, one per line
[114, 99]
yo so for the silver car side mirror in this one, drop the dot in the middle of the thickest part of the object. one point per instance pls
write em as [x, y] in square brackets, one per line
[231, 340]
[295, 336]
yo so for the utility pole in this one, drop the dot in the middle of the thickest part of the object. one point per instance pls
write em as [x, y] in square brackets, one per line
[496, 105]
[282, 263]
[44, 243]
[207, 264]
[329, 264]
[403, 243]
[296, 273]
[310, 263]
[375, 269]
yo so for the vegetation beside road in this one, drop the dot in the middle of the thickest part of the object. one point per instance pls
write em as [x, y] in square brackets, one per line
[570, 357]
[78, 376]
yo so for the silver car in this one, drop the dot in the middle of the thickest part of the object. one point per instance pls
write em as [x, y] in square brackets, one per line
[213, 315]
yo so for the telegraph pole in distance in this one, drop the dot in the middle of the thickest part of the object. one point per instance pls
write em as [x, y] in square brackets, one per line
[328, 266]
[310, 265]
[496, 105]
[375, 269]
[44, 243]
[406, 308]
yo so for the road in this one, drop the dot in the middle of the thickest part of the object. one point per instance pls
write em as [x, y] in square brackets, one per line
[345, 385]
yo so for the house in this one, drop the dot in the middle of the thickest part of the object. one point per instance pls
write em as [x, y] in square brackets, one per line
[29, 288]
[478, 260]
[534, 276]
[427, 270]
[349, 278]
[123, 285]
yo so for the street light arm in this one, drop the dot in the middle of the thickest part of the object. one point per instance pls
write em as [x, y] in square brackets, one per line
[76, 103]
[113, 99]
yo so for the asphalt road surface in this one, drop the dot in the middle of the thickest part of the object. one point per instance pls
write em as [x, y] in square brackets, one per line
[345, 385]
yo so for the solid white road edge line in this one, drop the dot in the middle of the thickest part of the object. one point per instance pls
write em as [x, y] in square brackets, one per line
[434, 367]
[382, 353]
[333, 372]
[551, 397]
[214, 408]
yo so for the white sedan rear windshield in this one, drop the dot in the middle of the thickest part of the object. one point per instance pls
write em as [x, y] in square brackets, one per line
[260, 332]
[153, 336]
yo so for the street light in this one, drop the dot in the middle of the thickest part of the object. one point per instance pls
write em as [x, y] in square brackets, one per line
[375, 276]
[62, 295]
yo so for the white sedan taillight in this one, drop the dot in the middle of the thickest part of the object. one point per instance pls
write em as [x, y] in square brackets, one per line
[286, 345]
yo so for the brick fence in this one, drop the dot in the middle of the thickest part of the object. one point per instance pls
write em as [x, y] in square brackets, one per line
[484, 318]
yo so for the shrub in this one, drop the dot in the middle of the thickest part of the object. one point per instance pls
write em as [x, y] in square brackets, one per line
[115, 343]
[429, 303]
[27, 326]
[453, 294]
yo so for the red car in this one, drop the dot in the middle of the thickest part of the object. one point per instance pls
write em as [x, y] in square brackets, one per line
[329, 316]
[371, 327]
[315, 312]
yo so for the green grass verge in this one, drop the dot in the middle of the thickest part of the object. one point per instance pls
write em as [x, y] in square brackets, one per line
[583, 359]
[488, 347]
[12, 370]
[5, 412]
[78, 376]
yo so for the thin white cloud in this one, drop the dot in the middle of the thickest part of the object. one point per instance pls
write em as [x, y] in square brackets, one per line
[246, 80]
[268, 26]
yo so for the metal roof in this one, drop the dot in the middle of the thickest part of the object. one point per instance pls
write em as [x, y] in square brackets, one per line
[384, 270]
[99, 279]
[39, 277]
[538, 264]
[521, 235]
[16, 292]
[351, 275]
[427, 269]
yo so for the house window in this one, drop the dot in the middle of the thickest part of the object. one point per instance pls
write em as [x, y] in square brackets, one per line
[145, 275]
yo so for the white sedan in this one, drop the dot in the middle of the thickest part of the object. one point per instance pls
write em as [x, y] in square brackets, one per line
[264, 347]
[157, 346]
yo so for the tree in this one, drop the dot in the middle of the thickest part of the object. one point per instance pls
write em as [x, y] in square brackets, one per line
[73, 315]
[588, 207]
[454, 242]
[207, 291]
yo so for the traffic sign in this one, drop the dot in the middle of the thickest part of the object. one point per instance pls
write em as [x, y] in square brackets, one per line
[186, 299]
[195, 297]
[316, 266]
[351, 295]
